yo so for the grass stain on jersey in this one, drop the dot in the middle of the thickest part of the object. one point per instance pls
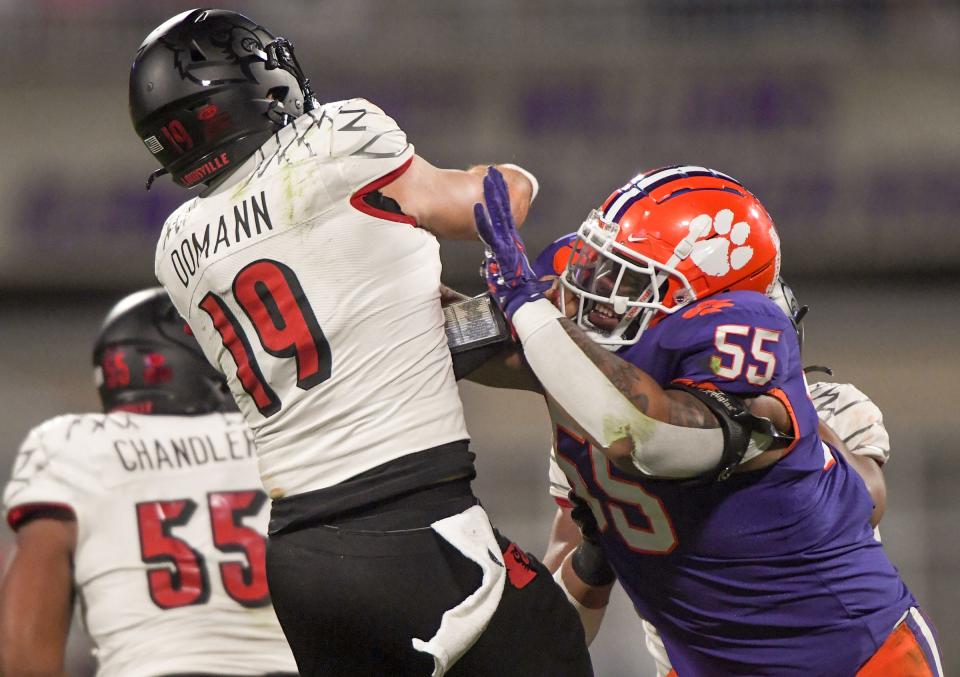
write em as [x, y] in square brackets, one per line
[289, 193]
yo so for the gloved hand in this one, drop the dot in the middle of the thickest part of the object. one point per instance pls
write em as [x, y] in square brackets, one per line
[510, 277]
[588, 560]
[583, 516]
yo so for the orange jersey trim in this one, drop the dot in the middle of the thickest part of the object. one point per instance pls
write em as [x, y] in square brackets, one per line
[785, 401]
[899, 655]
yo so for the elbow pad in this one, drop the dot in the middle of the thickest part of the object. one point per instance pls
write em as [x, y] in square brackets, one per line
[601, 410]
[739, 426]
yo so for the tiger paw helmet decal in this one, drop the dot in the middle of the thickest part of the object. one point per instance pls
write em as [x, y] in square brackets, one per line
[713, 255]
[671, 236]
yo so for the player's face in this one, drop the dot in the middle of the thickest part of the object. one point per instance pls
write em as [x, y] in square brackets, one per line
[605, 277]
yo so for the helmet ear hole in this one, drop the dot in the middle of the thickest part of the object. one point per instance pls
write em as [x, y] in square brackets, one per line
[278, 93]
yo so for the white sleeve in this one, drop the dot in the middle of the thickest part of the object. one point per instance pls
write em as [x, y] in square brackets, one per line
[600, 410]
[368, 142]
[42, 475]
[559, 486]
[854, 417]
[656, 648]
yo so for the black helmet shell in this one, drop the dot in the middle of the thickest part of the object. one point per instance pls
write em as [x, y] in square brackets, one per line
[146, 361]
[202, 97]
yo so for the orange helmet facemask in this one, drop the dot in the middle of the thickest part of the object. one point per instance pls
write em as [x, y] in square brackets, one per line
[664, 240]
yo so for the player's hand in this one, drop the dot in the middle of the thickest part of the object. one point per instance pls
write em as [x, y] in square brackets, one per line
[510, 277]
[582, 515]
[588, 559]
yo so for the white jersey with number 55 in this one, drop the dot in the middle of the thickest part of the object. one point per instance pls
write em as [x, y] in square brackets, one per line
[318, 302]
[170, 556]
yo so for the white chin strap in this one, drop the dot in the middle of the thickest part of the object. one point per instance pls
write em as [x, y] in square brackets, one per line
[601, 410]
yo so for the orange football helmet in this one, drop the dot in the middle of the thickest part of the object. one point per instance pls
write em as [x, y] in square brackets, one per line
[667, 238]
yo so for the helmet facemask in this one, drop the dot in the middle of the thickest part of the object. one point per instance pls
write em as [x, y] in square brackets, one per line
[619, 290]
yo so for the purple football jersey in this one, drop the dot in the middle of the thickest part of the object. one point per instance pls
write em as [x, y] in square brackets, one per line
[771, 572]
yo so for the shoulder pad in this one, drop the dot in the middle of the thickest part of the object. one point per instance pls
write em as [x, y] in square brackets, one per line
[171, 227]
[361, 129]
[43, 473]
[696, 324]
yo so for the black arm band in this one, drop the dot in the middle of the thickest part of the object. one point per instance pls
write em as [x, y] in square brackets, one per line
[737, 424]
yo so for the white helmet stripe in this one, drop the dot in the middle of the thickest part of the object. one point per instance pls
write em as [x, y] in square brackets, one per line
[619, 202]
[641, 184]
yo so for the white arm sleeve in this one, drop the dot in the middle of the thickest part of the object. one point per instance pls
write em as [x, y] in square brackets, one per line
[600, 409]
[590, 619]
[854, 417]
[559, 485]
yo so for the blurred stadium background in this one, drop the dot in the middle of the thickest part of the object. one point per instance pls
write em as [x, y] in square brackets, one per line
[843, 117]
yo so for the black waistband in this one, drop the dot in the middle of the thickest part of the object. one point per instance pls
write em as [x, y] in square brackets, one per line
[386, 487]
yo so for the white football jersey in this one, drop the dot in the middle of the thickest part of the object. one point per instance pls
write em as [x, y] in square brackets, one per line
[170, 558]
[321, 308]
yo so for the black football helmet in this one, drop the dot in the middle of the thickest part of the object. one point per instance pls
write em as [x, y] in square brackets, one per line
[146, 361]
[208, 87]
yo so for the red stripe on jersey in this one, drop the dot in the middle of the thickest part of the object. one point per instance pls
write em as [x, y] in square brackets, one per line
[564, 502]
[17, 515]
[358, 203]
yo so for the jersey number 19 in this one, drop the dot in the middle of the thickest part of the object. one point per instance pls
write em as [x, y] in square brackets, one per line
[273, 299]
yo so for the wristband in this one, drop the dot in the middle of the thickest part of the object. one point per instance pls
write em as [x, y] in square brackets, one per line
[530, 177]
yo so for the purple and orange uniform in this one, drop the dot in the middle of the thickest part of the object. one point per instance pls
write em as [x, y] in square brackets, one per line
[770, 572]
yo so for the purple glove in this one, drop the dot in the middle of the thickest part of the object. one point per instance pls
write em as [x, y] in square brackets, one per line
[510, 278]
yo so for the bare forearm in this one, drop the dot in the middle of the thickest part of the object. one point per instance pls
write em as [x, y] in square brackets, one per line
[590, 596]
[36, 602]
[564, 537]
[441, 200]
[868, 469]
[589, 601]
[506, 370]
